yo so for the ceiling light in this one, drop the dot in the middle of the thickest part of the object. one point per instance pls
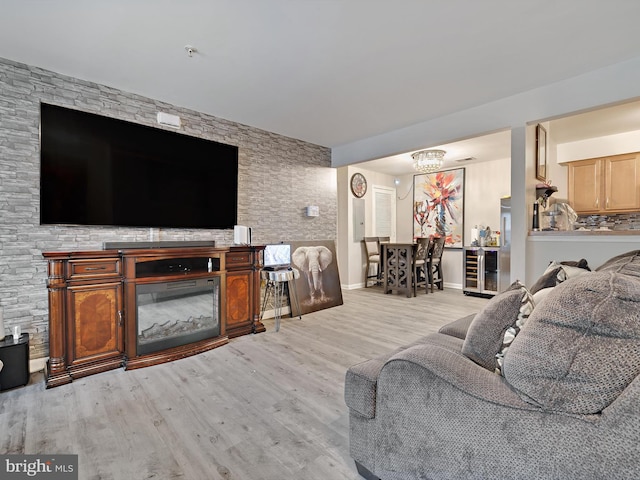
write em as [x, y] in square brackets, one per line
[428, 161]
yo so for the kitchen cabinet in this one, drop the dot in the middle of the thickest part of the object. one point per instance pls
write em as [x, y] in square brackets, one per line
[605, 185]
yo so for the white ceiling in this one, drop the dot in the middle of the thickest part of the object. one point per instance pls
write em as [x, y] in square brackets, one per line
[325, 71]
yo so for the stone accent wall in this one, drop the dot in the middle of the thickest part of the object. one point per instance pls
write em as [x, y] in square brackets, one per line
[278, 178]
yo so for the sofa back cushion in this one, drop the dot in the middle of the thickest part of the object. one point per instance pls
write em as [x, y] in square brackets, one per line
[626, 263]
[581, 346]
[496, 325]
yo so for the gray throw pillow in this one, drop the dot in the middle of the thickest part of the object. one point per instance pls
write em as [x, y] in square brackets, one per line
[581, 346]
[496, 325]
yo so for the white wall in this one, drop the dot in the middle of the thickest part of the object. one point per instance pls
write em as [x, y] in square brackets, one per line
[352, 258]
[485, 184]
[599, 147]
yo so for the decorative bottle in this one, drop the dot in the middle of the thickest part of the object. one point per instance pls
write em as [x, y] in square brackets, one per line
[536, 217]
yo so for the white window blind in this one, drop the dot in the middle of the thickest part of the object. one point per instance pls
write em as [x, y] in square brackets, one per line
[384, 212]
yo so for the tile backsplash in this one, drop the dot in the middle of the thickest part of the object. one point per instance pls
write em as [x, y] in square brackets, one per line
[619, 221]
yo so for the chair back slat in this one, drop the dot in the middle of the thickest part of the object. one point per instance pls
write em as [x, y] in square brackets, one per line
[437, 247]
[371, 244]
[422, 248]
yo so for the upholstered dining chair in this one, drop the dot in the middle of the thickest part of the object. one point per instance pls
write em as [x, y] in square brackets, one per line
[434, 263]
[420, 274]
[372, 247]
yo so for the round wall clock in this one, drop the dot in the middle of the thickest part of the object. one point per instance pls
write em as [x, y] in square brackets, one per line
[358, 185]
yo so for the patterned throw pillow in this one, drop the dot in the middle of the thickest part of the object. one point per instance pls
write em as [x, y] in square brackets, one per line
[526, 307]
[558, 272]
[496, 325]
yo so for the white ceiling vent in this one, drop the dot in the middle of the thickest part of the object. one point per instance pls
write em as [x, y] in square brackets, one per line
[468, 159]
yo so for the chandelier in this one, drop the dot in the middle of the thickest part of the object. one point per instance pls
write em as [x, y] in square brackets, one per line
[428, 161]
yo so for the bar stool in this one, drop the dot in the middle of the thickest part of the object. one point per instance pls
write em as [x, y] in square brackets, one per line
[372, 248]
[277, 282]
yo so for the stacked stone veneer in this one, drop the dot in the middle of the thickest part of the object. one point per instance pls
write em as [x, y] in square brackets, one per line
[278, 177]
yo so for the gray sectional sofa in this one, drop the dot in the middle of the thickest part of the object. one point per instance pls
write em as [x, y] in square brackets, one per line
[540, 384]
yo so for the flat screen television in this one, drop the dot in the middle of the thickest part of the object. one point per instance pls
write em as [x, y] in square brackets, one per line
[96, 170]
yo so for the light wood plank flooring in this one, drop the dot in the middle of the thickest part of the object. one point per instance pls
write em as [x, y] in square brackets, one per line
[264, 407]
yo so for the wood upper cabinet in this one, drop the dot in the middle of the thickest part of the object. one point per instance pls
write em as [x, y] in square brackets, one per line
[585, 185]
[622, 182]
[605, 185]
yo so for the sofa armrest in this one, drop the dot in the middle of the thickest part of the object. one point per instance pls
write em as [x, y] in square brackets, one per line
[361, 380]
[462, 373]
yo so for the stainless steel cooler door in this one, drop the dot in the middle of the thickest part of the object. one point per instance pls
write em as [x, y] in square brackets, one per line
[505, 244]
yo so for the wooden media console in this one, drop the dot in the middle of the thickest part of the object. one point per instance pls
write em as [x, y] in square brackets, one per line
[94, 296]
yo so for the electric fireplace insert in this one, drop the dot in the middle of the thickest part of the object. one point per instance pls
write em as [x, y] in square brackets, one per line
[175, 313]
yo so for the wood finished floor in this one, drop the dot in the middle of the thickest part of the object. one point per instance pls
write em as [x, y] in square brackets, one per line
[264, 407]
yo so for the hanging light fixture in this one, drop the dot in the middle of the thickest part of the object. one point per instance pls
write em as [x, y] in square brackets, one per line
[428, 161]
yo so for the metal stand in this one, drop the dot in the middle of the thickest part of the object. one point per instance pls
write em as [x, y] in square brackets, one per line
[277, 282]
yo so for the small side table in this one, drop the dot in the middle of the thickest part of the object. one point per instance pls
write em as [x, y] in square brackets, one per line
[276, 280]
[15, 357]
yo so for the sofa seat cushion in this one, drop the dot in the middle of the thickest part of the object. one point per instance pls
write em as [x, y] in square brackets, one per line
[361, 380]
[581, 346]
[496, 325]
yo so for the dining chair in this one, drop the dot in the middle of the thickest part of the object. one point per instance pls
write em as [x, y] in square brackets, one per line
[420, 275]
[434, 263]
[372, 247]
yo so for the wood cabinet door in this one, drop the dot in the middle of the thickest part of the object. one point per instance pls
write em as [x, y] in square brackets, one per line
[239, 298]
[622, 188]
[585, 186]
[94, 322]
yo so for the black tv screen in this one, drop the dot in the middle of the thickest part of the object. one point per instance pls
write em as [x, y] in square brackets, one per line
[97, 170]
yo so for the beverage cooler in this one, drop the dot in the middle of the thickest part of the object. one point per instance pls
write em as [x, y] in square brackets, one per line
[481, 270]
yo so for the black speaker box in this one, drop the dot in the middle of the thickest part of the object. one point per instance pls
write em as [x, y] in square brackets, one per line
[15, 357]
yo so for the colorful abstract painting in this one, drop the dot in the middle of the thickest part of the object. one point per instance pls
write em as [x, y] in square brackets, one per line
[438, 206]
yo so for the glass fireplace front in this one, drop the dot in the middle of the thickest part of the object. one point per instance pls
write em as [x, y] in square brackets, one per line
[175, 313]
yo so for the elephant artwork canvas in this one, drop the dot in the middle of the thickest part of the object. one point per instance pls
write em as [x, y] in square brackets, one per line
[318, 285]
